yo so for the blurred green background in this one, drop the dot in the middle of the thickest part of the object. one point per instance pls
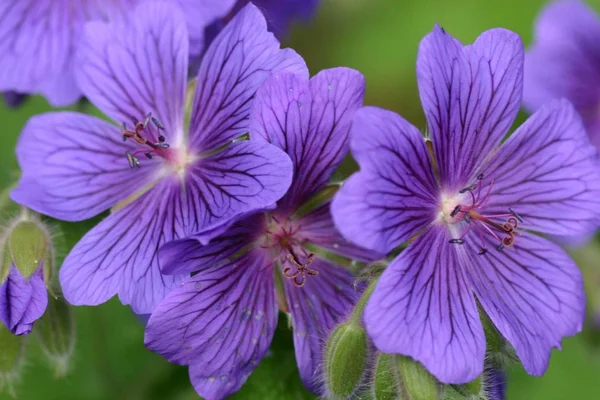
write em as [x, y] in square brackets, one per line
[379, 38]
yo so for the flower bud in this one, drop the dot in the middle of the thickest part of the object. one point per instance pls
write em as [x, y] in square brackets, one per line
[345, 360]
[385, 381]
[26, 266]
[56, 334]
[11, 359]
[417, 383]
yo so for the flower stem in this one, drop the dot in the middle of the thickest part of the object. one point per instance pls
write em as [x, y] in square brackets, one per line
[356, 317]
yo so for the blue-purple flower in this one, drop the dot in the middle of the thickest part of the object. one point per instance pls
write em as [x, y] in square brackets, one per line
[39, 40]
[564, 62]
[221, 321]
[160, 179]
[468, 207]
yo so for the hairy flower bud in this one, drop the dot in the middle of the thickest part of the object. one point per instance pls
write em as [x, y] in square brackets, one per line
[11, 359]
[345, 360]
[417, 383]
[26, 267]
[385, 380]
[56, 334]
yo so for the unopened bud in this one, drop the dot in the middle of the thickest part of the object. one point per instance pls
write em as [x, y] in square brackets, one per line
[417, 383]
[494, 383]
[56, 334]
[11, 359]
[385, 381]
[345, 360]
[27, 256]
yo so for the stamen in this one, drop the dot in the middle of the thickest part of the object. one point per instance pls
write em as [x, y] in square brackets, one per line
[482, 251]
[133, 160]
[517, 216]
[500, 247]
[480, 177]
[144, 136]
[456, 241]
[455, 211]
[467, 189]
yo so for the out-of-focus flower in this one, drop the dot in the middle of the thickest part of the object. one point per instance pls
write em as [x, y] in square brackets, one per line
[563, 62]
[26, 256]
[39, 39]
[162, 180]
[467, 208]
[221, 321]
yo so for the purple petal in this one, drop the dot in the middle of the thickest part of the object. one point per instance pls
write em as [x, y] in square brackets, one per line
[471, 96]
[395, 194]
[220, 322]
[246, 176]
[423, 307]
[548, 172]
[22, 301]
[189, 255]
[532, 292]
[200, 14]
[37, 38]
[316, 308]
[138, 65]
[119, 255]
[236, 64]
[310, 121]
[319, 229]
[74, 166]
[564, 59]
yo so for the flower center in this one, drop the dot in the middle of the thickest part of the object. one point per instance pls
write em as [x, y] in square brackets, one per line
[149, 135]
[466, 209]
[282, 235]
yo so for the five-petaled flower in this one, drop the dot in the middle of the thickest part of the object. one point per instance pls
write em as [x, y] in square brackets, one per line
[563, 62]
[75, 166]
[221, 321]
[39, 39]
[468, 209]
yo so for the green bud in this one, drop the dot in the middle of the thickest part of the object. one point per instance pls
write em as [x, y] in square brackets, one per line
[345, 360]
[472, 390]
[385, 381]
[56, 334]
[417, 383]
[27, 245]
[11, 359]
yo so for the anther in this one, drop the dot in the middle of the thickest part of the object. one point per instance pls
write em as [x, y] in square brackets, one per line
[158, 124]
[455, 211]
[500, 247]
[517, 216]
[148, 155]
[480, 177]
[482, 251]
[467, 189]
[467, 218]
[456, 241]
[161, 139]
[162, 145]
[133, 160]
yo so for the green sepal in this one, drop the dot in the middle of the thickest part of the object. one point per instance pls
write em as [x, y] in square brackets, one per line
[385, 381]
[417, 383]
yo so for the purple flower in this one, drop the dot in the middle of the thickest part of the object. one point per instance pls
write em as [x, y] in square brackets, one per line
[22, 300]
[39, 39]
[467, 208]
[221, 321]
[161, 182]
[280, 13]
[564, 62]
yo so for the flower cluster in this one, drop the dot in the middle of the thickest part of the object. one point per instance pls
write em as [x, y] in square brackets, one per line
[220, 210]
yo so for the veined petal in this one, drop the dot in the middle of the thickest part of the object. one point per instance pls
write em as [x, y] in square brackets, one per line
[189, 255]
[317, 226]
[235, 65]
[532, 292]
[395, 194]
[119, 255]
[310, 121]
[563, 60]
[316, 308]
[423, 307]
[220, 322]
[37, 38]
[134, 66]
[74, 166]
[246, 176]
[548, 173]
[471, 96]
[22, 301]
